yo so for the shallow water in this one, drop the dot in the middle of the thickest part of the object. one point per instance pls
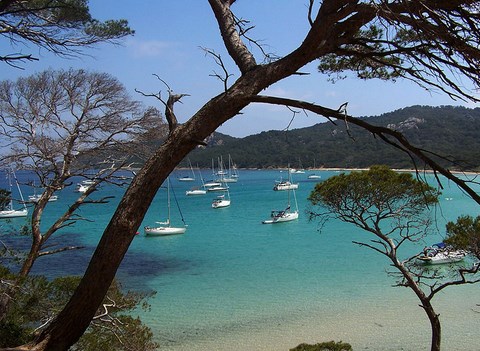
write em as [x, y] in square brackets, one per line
[232, 283]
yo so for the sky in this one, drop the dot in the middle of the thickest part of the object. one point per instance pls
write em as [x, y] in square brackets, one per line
[168, 41]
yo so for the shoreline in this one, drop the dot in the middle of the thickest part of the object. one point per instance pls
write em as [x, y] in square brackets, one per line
[338, 169]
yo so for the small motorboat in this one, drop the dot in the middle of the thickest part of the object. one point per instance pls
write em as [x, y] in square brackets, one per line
[440, 253]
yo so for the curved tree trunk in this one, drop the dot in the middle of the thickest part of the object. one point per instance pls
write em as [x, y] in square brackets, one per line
[435, 325]
[77, 314]
[424, 300]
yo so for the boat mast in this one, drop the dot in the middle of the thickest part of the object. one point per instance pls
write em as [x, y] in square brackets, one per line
[191, 169]
[19, 191]
[168, 199]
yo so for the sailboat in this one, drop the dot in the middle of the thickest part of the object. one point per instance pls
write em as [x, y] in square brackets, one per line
[286, 215]
[232, 175]
[281, 185]
[299, 170]
[314, 176]
[219, 184]
[8, 211]
[188, 178]
[36, 197]
[165, 228]
[212, 183]
[197, 190]
[222, 200]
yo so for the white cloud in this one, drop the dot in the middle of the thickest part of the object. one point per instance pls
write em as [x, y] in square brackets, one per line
[150, 48]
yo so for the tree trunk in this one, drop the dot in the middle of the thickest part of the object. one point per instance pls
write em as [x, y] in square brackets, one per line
[435, 325]
[74, 319]
[424, 300]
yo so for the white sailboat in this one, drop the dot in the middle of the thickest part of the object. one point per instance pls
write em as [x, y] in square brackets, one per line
[286, 215]
[232, 175]
[222, 200]
[198, 190]
[285, 185]
[82, 188]
[212, 183]
[86, 184]
[314, 176]
[297, 170]
[281, 185]
[36, 197]
[165, 228]
[219, 184]
[188, 178]
[8, 211]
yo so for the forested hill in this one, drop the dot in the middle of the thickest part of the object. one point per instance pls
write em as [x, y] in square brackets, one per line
[449, 131]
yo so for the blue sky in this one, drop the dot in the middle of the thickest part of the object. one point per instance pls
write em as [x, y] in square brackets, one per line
[168, 40]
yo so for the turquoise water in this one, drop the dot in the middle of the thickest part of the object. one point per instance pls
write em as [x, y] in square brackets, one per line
[232, 283]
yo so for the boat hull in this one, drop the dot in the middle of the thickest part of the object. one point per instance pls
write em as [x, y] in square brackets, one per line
[36, 198]
[442, 258]
[229, 180]
[195, 192]
[440, 253]
[162, 231]
[286, 217]
[285, 186]
[186, 179]
[13, 213]
[220, 203]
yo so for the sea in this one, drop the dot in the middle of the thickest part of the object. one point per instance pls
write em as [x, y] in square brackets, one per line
[232, 283]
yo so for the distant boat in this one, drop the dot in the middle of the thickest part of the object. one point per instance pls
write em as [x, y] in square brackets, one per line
[222, 200]
[216, 186]
[299, 170]
[232, 175]
[281, 185]
[440, 254]
[82, 188]
[36, 197]
[212, 183]
[165, 228]
[8, 211]
[314, 176]
[86, 184]
[223, 175]
[285, 185]
[197, 190]
[285, 215]
[189, 178]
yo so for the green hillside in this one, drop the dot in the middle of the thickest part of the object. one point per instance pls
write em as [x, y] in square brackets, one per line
[449, 131]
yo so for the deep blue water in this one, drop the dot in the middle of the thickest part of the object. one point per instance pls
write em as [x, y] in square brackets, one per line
[232, 281]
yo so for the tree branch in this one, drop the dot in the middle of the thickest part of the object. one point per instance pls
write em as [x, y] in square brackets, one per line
[382, 132]
[233, 42]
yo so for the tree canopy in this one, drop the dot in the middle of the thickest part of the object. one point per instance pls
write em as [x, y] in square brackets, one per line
[51, 119]
[371, 198]
[64, 27]
[394, 208]
[464, 234]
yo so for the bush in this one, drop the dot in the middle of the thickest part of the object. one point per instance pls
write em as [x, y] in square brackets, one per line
[324, 346]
